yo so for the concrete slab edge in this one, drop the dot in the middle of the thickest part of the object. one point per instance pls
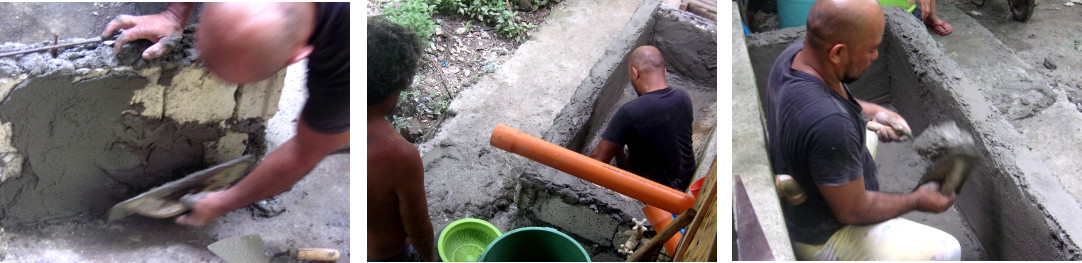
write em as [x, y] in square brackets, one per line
[749, 139]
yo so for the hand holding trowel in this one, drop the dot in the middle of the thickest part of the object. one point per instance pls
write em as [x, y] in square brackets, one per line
[952, 150]
[175, 198]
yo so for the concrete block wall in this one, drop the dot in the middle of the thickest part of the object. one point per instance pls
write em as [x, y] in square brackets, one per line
[90, 128]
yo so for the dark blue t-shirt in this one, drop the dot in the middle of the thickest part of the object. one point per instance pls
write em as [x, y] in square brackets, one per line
[817, 137]
[327, 108]
[656, 127]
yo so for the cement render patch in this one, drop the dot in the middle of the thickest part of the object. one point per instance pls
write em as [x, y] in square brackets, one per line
[85, 130]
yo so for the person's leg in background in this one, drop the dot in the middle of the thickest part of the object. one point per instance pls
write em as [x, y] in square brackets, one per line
[927, 13]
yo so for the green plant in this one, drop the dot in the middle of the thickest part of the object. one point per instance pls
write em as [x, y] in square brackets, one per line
[493, 12]
[1077, 43]
[440, 103]
[398, 122]
[414, 14]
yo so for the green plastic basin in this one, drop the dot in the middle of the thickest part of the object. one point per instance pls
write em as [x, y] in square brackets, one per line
[464, 239]
[541, 244]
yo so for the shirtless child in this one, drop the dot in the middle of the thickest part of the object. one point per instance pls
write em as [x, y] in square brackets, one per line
[398, 224]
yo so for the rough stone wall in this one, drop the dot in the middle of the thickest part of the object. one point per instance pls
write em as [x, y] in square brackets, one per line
[90, 128]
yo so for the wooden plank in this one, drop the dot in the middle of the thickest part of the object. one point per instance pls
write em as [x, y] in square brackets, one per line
[750, 239]
[700, 242]
[709, 5]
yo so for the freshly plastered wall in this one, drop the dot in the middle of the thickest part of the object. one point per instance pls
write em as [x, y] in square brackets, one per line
[90, 128]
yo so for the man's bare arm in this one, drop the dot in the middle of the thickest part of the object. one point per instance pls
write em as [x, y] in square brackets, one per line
[279, 171]
[852, 204]
[413, 204]
[604, 151]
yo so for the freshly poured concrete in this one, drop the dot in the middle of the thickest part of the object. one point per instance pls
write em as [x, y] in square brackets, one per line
[1013, 204]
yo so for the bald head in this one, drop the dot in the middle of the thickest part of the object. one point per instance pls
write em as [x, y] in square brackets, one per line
[647, 59]
[843, 21]
[646, 68]
[249, 42]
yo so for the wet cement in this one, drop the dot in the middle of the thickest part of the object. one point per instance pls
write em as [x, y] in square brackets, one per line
[87, 129]
[314, 215]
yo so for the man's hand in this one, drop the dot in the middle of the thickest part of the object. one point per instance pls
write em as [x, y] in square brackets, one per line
[930, 200]
[204, 210]
[894, 128]
[159, 28]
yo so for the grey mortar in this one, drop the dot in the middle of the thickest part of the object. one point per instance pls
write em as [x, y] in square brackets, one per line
[82, 154]
[1015, 206]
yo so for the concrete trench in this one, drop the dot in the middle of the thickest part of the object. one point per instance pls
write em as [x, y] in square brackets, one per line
[593, 215]
[90, 128]
[1012, 207]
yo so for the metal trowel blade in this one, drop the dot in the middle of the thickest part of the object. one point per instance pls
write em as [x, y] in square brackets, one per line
[164, 201]
[241, 249]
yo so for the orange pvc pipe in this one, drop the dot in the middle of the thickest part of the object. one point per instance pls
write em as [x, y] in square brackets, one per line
[661, 219]
[581, 166]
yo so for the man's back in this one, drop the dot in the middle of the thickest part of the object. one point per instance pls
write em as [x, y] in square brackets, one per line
[656, 127]
[393, 164]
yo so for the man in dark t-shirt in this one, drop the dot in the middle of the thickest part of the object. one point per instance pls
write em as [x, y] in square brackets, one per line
[656, 126]
[816, 135]
[248, 42]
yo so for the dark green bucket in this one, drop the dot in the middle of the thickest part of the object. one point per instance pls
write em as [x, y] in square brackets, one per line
[534, 244]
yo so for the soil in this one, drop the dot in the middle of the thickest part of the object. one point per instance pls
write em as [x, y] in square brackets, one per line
[452, 62]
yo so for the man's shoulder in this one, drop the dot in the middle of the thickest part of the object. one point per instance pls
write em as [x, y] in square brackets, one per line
[391, 148]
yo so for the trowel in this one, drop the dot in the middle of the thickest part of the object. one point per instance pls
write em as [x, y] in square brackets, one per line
[954, 152]
[175, 198]
[251, 249]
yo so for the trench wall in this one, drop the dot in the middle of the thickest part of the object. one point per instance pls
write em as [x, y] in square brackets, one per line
[1016, 207]
[593, 215]
[90, 128]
